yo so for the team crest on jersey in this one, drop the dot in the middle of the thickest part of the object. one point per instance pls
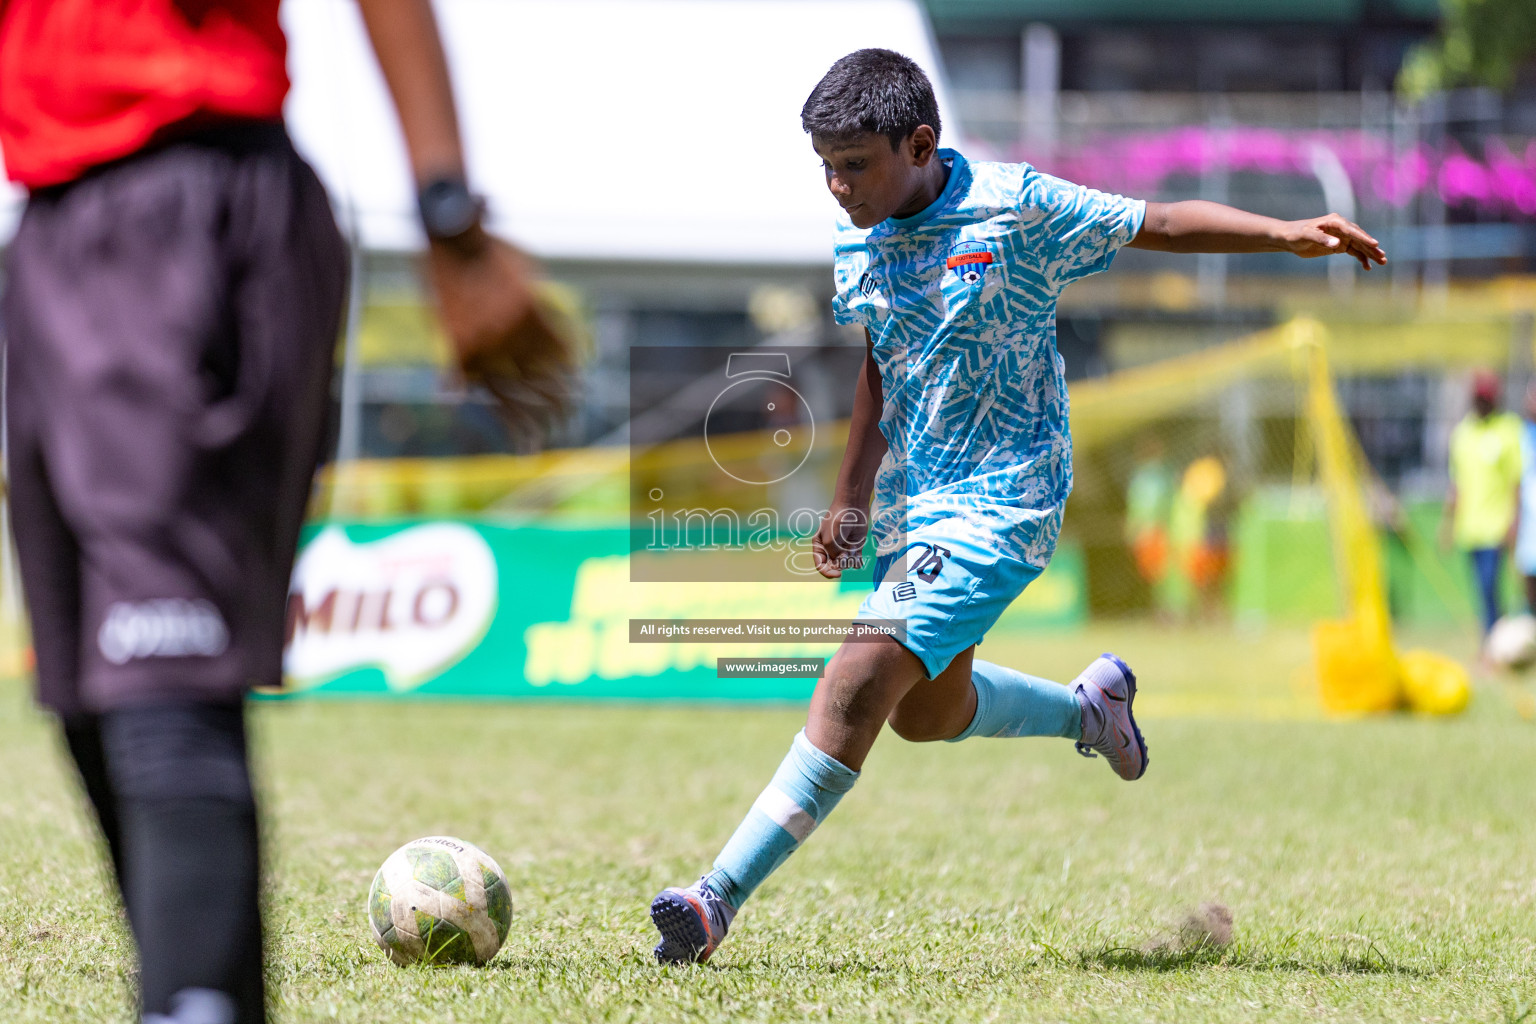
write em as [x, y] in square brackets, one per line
[969, 260]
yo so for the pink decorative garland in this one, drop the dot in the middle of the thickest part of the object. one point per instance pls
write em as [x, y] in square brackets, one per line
[1503, 183]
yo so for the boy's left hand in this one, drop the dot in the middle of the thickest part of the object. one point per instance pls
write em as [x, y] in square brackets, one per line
[1333, 235]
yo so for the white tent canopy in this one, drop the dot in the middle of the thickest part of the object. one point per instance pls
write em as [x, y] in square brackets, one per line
[652, 130]
[604, 129]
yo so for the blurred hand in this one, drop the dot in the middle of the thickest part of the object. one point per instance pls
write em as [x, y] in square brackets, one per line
[505, 340]
[1445, 535]
[1331, 235]
[839, 541]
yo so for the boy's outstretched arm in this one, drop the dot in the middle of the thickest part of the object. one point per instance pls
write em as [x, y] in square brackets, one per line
[1200, 226]
[843, 528]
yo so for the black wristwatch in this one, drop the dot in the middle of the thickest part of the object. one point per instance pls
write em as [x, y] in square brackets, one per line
[449, 210]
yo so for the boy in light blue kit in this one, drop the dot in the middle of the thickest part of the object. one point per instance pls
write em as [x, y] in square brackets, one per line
[960, 434]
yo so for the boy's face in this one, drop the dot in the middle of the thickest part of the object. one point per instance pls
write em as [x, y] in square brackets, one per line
[872, 181]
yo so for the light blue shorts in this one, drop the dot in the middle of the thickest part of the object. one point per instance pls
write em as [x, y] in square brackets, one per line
[946, 588]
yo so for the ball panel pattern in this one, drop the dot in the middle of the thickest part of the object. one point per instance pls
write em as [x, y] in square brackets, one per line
[378, 910]
[436, 869]
[444, 942]
[498, 902]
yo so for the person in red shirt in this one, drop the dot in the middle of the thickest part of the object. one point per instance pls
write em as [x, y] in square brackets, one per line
[173, 297]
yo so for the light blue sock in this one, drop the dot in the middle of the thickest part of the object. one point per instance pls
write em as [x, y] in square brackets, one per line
[803, 792]
[1010, 703]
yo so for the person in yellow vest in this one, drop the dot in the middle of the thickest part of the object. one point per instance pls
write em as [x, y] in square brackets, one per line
[1485, 478]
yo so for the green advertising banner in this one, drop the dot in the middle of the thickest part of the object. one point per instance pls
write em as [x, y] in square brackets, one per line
[450, 608]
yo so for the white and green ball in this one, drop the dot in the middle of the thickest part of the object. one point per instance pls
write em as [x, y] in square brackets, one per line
[440, 900]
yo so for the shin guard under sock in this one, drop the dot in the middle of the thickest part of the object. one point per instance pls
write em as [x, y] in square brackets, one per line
[808, 784]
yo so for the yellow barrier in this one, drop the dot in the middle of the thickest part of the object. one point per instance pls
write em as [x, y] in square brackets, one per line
[1358, 668]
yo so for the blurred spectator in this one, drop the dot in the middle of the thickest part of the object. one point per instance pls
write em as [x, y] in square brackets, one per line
[1197, 532]
[1148, 497]
[1480, 504]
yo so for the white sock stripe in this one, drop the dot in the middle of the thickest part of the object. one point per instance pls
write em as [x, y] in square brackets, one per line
[784, 812]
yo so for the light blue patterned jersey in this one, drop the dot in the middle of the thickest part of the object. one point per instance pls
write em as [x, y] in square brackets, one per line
[960, 301]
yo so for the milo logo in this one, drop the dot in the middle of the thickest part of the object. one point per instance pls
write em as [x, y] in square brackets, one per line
[411, 604]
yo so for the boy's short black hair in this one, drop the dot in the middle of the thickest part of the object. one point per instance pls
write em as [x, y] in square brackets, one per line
[873, 90]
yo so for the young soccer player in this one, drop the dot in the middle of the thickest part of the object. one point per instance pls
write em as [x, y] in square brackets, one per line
[171, 308]
[960, 434]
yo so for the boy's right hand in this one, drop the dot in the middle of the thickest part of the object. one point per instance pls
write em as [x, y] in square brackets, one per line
[1333, 235]
[839, 541]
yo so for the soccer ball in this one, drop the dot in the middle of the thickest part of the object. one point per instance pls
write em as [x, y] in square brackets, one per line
[439, 900]
[1512, 642]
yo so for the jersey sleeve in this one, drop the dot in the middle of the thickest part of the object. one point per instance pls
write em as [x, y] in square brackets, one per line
[842, 308]
[849, 264]
[1083, 228]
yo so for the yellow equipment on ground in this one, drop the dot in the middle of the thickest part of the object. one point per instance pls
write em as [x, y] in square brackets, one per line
[1358, 669]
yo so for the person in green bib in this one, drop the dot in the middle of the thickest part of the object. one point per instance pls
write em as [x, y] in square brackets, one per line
[1485, 479]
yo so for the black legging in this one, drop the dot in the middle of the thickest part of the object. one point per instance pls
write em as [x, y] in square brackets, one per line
[172, 793]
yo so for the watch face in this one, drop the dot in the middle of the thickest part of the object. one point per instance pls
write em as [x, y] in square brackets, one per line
[783, 434]
[448, 209]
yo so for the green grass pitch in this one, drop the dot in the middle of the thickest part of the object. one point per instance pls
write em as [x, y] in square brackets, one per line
[1379, 870]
